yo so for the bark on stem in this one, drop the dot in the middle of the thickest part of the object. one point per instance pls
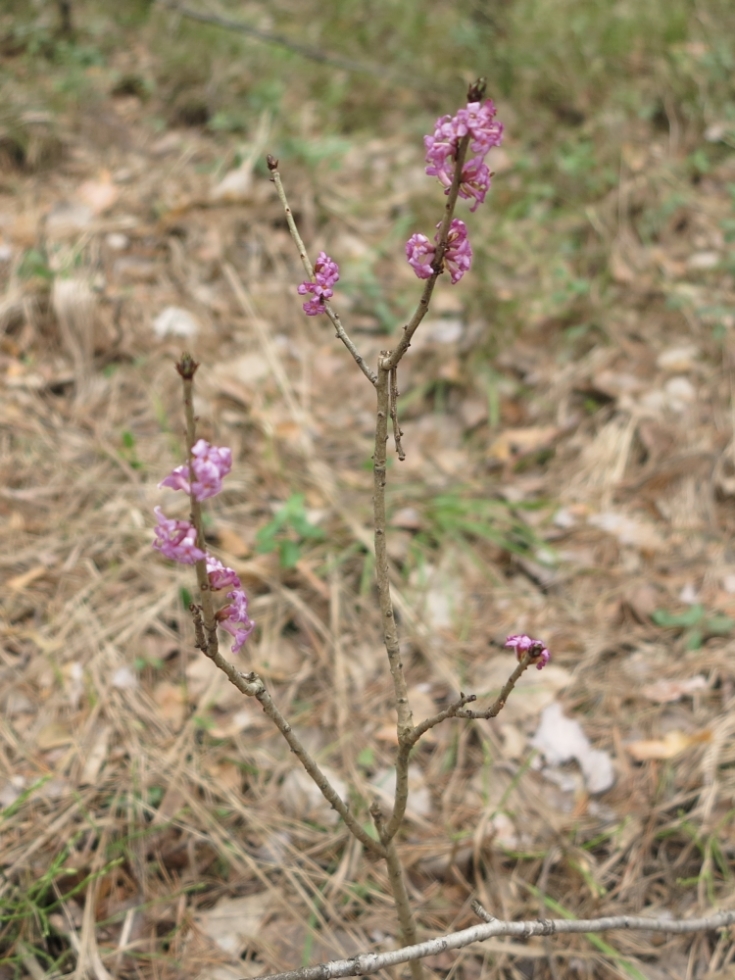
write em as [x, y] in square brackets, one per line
[369, 963]
[390, 638]
[403, 907]
[398, 889]
[388, 622]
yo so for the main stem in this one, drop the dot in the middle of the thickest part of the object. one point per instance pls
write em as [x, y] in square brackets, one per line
[400, 893]
[403, 907]
[392, 646]
[388, 621]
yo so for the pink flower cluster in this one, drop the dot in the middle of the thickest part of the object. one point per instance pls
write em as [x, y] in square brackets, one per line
[523, 644]
[326, 274]
[477, 120]
[177, 540]
[458, 256]
[210, 465]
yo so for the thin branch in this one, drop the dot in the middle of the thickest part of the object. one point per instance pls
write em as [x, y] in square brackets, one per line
[205, 632]
[369, 963]
[253, 687]
[341, 333]
[279, 40]
[66, 26]
[438, 264]
[497, 706]
[452, 711]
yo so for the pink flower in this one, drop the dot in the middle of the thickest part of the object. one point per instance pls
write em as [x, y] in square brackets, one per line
[217, 456]
[458, 256]
[210, 464]
[178, 479]
[420, 255]
[176, 539]
[441, 148]
[326, 274]
[235, 620]
[475, 181]
[440, 160]
[478, 121]
[208, 482]
[220, 576]
[524, 644]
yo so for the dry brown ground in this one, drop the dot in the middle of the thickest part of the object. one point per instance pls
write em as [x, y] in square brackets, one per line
[165, 801]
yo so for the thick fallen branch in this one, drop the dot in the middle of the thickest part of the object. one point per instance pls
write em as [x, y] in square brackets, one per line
[368, 963]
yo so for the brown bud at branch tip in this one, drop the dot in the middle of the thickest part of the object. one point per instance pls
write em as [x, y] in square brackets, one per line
[272, 163]
[187, 366]
[476, 91]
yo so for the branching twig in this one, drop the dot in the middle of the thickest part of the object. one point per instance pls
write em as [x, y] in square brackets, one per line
[253, 687]
[452, 711]
[205, 624]
[341, 333]
[497, 706]
[406, 743]
[205, 632]
[369, 963]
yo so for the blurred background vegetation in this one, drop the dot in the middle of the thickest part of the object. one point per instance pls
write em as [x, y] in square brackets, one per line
[578, 82]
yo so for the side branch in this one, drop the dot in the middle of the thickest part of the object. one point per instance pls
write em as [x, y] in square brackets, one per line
[336, 323]
[369, 963]
[450, 712]
[253, 687]
[404, 752]
[497, 706]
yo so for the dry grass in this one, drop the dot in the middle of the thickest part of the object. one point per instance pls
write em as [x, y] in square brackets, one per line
[139, 792]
